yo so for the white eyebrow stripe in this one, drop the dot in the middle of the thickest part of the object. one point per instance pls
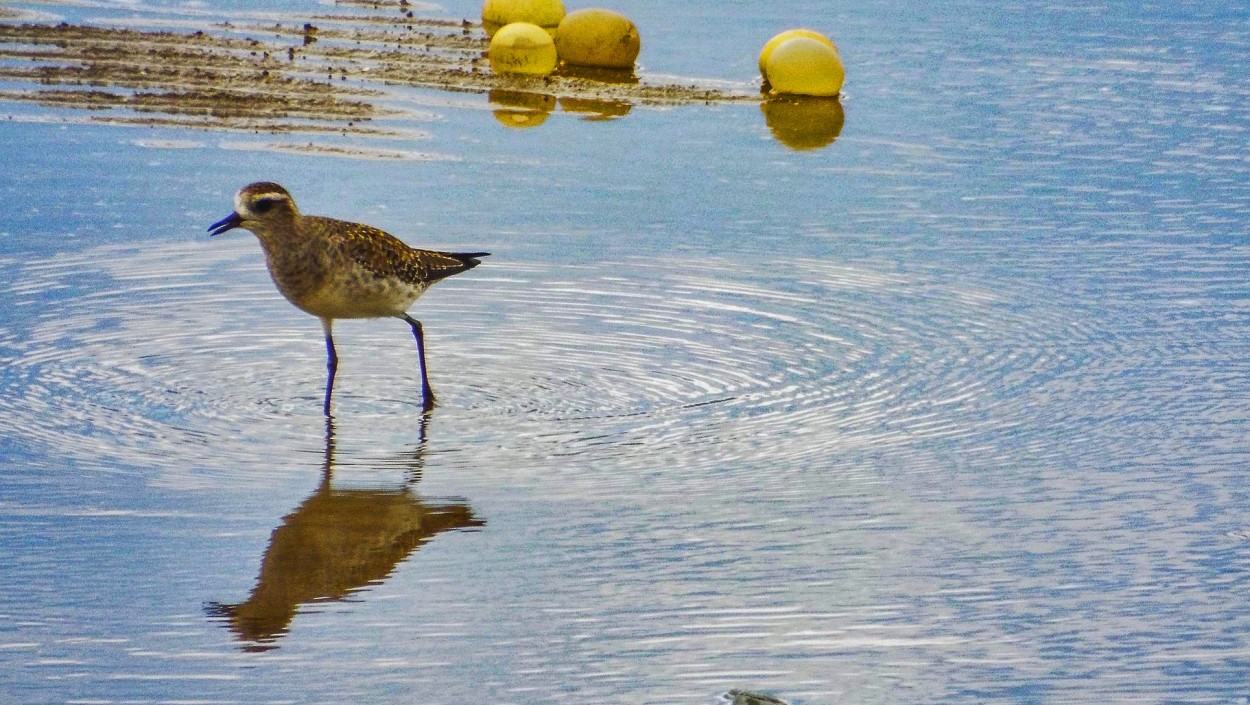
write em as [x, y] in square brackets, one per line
[241, 207]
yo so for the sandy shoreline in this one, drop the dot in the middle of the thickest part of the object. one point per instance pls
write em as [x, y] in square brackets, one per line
[331, 73]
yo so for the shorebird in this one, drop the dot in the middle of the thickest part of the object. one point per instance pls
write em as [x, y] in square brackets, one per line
[336, 269]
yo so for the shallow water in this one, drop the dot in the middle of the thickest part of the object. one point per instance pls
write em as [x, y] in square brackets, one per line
[952, 409]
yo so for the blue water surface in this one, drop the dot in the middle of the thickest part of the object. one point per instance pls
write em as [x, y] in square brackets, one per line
[953, 409]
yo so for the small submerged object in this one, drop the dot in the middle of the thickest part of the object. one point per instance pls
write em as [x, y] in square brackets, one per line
[497, 14]
[599, 38]
[746, 697]
[524, 48]
[802, 62]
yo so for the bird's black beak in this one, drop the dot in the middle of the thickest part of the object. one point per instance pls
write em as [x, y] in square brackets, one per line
[230, 222]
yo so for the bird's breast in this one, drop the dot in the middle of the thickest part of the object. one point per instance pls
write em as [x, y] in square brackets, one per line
[357, 293]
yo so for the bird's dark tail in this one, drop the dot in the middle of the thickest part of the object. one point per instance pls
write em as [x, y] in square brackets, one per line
[454, 263]
[470, 259]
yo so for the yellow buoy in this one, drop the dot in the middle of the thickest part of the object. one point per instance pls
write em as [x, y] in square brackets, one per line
[544, 13]
[524, 48]
[598, 37]
[790, 34]
[804, 66]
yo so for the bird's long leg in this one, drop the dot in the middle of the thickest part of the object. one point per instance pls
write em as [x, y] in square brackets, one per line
[332, 362]
[427, 394]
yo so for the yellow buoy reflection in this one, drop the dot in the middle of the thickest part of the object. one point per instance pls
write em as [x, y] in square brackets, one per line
[596, 108]
[521, 109]
[804, 122]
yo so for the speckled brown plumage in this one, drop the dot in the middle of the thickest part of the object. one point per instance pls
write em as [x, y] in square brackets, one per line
[384, 255]
[337, 269]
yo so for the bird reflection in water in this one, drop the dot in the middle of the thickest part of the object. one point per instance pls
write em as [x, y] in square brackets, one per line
[336, 543]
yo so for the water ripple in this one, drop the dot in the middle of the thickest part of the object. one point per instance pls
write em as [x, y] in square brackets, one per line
[159, 352]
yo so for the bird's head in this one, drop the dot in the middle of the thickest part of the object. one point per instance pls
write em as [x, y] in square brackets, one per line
[258, 207]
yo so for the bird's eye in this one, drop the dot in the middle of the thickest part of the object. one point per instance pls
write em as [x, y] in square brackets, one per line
[263, 205]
